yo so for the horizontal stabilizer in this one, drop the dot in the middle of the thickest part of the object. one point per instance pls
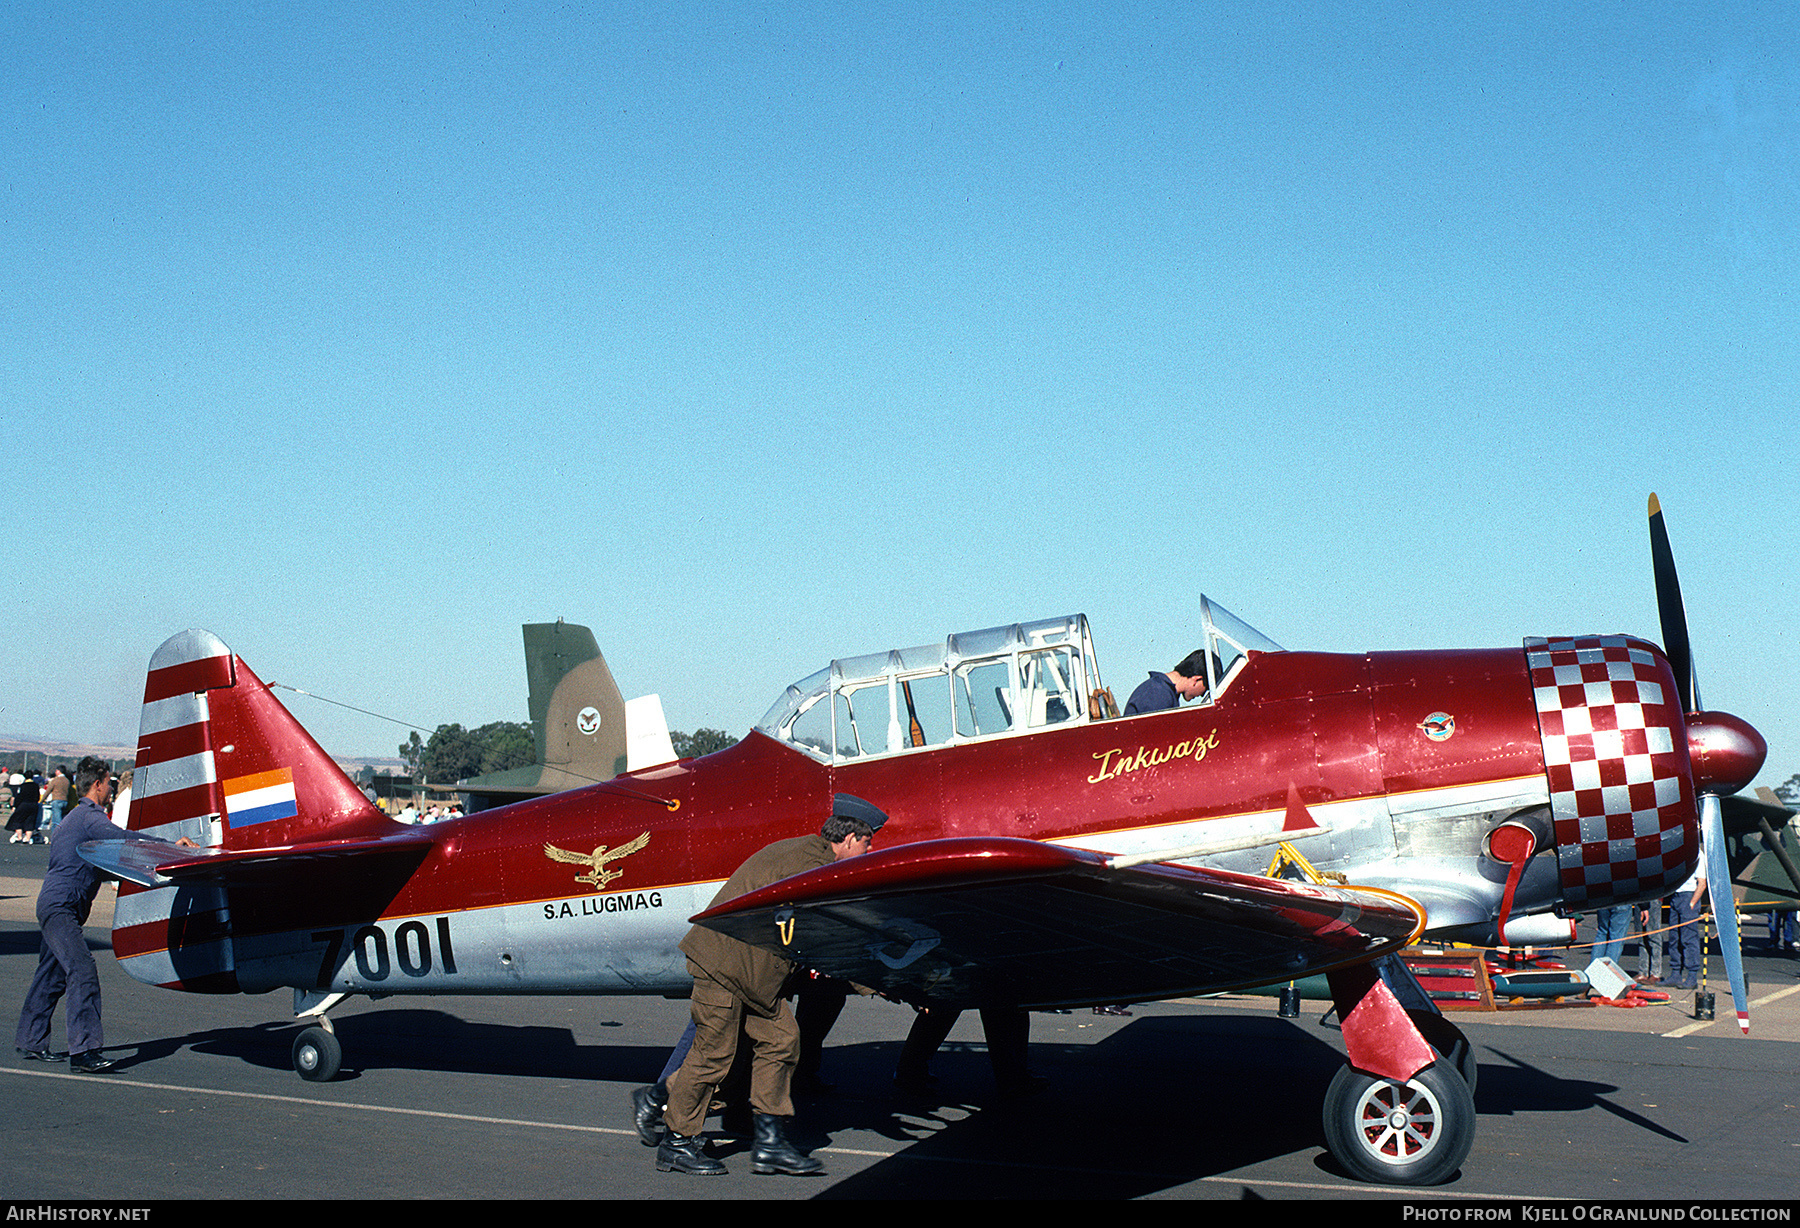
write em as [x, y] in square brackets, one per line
[996, 920]
[156, 863]
[136, 861]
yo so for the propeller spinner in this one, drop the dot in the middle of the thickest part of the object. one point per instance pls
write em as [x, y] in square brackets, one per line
[1726, 752]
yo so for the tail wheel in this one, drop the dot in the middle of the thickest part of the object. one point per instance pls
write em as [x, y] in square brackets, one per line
[317, 1055]
[1416, 1132]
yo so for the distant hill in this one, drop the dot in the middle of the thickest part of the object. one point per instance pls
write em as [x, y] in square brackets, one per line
[44, 753]
[15, 751]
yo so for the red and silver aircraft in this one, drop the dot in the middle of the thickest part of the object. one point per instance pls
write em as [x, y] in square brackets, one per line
[1040, 852]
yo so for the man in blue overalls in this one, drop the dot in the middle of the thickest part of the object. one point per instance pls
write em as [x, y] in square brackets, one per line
[64, 962]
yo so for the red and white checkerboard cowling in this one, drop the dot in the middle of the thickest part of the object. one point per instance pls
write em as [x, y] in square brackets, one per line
[1616, 756]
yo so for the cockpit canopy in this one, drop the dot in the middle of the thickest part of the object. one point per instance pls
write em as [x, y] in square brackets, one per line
[1002, 681]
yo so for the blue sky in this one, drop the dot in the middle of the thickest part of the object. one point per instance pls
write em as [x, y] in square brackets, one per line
[752, 336]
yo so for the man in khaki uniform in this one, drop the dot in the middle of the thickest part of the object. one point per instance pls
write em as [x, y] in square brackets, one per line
[738, 985]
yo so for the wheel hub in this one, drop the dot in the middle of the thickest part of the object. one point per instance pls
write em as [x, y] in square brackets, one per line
[1400, 1122]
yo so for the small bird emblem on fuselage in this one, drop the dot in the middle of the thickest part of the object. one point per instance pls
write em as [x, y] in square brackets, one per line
[597, 873]
[1438, 726]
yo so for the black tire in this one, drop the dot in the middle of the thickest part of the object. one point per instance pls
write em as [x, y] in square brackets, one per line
[317, 1055]
[1449, 1042]
[1416, 1132]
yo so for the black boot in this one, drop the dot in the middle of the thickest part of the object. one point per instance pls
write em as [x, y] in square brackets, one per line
[685, 1153]
[772, 1152]
[647, 1105]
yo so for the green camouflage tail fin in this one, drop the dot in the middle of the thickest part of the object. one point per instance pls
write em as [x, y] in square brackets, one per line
[577, 719]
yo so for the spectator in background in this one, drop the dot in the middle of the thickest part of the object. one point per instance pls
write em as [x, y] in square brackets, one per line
[56, 801]
[24, 821]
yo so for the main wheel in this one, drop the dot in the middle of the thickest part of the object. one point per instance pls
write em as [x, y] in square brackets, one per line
[1449, 1041]
[1416, 1132]
[316, 1055]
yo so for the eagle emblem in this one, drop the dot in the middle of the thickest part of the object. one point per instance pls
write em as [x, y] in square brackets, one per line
[1439, 726]
[597, 873]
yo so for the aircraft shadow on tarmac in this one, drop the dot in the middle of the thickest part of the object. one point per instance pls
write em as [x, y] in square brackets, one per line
[419, 1038]
[1118, 1119]
[1163, 1101]
[22, 942]
[28, 942]
[1518, 1086]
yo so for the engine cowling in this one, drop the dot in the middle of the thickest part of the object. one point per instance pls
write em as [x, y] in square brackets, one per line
[1616, 755]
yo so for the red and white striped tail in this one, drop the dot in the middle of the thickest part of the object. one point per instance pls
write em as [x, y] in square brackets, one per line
[220, 761]
[175, 784]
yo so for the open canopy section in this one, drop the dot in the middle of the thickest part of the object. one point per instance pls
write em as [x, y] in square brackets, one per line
[1229, 642]
[974, 684]
[999, 682]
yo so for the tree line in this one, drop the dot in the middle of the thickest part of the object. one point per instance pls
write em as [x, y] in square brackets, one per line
[453, 753]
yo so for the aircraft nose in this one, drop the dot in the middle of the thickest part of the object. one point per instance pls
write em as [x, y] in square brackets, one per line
[1727, 752]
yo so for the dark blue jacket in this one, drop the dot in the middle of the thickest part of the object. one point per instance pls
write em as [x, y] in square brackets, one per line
[70, 882]
[1153, 694]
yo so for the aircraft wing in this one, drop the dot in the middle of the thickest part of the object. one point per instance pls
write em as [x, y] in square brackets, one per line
[157, 863]
[995, 920]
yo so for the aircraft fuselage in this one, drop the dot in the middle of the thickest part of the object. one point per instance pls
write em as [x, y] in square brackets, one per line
[1408, 760]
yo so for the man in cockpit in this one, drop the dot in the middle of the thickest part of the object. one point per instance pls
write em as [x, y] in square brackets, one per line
[1167, 690]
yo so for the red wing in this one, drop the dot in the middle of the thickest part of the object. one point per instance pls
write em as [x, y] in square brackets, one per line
[969, 921]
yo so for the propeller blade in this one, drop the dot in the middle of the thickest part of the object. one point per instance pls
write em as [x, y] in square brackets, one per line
[1718, 886]
[1670, 611]
[1725, 750]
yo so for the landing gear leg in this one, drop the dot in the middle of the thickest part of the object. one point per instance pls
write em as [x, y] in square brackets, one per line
[1399, 1113]
[1448, 1041]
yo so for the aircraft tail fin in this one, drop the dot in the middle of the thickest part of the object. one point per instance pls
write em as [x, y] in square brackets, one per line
[221, 761]
[577, 712]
